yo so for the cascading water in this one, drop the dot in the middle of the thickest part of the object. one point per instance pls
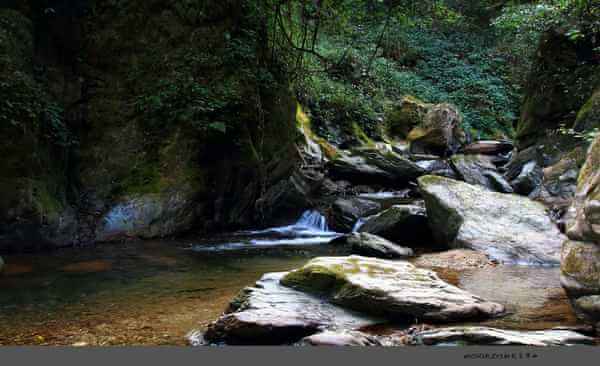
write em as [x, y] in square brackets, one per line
[359, 223]
[313, 220]
[310, 229]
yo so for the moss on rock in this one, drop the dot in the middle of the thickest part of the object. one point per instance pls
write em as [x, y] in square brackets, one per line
[401, 118]
[559, 84]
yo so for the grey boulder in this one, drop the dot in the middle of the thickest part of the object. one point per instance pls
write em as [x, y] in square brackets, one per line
[493, 336]
[396, 290]
[371, 245]
[507, 227]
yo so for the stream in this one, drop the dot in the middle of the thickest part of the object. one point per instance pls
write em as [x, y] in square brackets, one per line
[156, 292]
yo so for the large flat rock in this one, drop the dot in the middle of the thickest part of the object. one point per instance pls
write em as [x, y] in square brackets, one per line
[269, 313]
[493, 336]
[507, 227]
[396, 290]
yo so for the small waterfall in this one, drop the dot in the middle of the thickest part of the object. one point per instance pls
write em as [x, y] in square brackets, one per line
[313, 220]
[310, 229]
[359, 223]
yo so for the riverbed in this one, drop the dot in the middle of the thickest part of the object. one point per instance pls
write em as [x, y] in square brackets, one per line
[155, 292]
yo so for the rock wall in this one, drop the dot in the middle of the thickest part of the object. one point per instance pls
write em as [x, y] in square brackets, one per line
[580, 268]
[111, 138]
[564, 76]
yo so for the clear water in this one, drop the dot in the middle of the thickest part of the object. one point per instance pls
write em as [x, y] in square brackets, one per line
[154, 293]
[148, 293]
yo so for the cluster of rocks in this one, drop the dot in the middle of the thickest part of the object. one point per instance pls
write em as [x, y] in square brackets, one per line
[335, 301]
[342, 294]
[475, 206]
[580, 269]
[476, 198]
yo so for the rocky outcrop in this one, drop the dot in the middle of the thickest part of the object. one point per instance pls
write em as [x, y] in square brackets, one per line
[128, 126]
[269, 313]
[580, 267]
[438, 167]
[562, 80]
[287, 199]
[401, 118]
[440, 133]
[492, 336]
[587, 117]
[560, 180]
[529, 179]
[34, 207]
[509, 228]
[393, 289]
[584, 223]
[149, 216]
[372, 246]
[372, 166]
[345, 212]
[479, 169]
[405, 224]
[356, 169]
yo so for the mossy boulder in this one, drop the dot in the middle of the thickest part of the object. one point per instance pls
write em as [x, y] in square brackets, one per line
[588, 117]
[440, 133]
[560, 179]
[580, 268]
[401, 118]
[393, 289]
[580, 276]
[584, 215]
[580, 265]
[507, 227]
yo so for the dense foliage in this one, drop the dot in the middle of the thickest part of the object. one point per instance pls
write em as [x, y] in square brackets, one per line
[347, 60]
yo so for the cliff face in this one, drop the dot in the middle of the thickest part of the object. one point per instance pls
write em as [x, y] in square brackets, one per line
[137, 118]
[564, 76]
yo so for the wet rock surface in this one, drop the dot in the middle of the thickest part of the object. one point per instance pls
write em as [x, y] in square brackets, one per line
[372, 166]
[370, 245]
[405, 224]
[393, 289]
[580, 266]
[584, 219]
[439, 132]
[346, 211]
[346, 339]
[269, 313]
[529, 179]
[493, 336]
[509, 228]
[479, 170]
